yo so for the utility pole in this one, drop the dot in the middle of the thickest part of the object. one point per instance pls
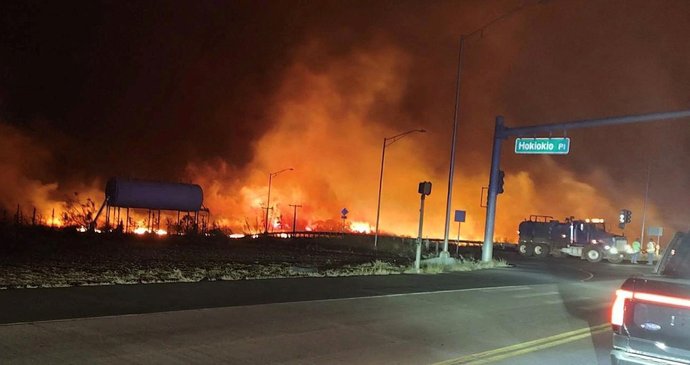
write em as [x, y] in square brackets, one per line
[294, 216]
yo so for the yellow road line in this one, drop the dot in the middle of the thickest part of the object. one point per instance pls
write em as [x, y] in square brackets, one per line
[538, 348]
[526, 347]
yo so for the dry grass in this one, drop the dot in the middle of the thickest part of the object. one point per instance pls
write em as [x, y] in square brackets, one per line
[29, 276]
[467, 265]
[373, 268]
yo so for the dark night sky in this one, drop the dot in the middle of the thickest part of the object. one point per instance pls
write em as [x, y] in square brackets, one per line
[148, 74]
[166, 90]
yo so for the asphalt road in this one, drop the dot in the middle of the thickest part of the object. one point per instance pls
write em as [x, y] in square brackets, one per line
[540, 311]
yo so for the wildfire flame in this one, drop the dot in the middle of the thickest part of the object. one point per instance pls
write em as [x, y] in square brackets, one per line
[360, 227]
[327, 119]
[143, 230]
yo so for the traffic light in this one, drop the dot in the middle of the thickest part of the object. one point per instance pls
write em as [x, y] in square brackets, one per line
[424, 188]
[624, 217]
[501, 176]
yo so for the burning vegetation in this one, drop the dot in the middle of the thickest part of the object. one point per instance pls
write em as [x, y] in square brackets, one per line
[228, 102]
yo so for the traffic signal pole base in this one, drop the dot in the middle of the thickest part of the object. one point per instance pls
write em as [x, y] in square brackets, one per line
[442, 259]
[418, 256]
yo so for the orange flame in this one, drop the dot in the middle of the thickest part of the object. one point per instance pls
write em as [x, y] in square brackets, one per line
[328, 123]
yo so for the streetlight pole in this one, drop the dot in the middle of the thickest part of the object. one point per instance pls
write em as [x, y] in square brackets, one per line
[268, 200]
[387, 142]
[456, 117]
[451, 171]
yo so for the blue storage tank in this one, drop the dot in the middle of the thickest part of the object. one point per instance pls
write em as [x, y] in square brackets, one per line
[128, 193]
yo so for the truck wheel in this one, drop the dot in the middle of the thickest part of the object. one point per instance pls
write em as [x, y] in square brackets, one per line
[525, 249]
[615, 259]
[592, 254]
[541, 250]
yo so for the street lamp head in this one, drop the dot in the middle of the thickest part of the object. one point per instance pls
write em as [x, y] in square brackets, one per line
[278, 172]
[391, 140]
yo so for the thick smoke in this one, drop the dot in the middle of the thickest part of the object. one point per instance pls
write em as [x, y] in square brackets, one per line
[223, 95]
[28, 192]
[21, 160]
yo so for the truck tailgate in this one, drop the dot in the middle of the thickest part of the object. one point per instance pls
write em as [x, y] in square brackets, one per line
[657, 317]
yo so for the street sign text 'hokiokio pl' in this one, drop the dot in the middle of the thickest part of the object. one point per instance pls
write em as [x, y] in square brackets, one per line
[543, 146]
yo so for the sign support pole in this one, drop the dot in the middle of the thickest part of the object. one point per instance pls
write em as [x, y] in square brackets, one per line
[424, 190]
[418, 253]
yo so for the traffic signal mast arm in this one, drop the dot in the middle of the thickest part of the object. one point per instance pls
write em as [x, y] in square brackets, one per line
[502, 132]
[505, 132]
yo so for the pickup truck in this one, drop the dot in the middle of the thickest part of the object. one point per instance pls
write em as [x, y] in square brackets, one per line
[650, 316]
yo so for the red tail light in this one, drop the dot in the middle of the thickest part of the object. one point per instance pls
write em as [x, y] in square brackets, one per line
[617, 311]
[619, 306]
[663, 299]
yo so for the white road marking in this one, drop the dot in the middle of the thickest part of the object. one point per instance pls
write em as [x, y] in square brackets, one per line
[506, 288]
[589, 275]
[406, 294]
[522, 296]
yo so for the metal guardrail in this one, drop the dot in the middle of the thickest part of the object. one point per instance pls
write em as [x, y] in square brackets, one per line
[312, 234]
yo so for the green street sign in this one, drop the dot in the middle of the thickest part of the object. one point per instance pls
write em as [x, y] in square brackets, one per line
[543, 146]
